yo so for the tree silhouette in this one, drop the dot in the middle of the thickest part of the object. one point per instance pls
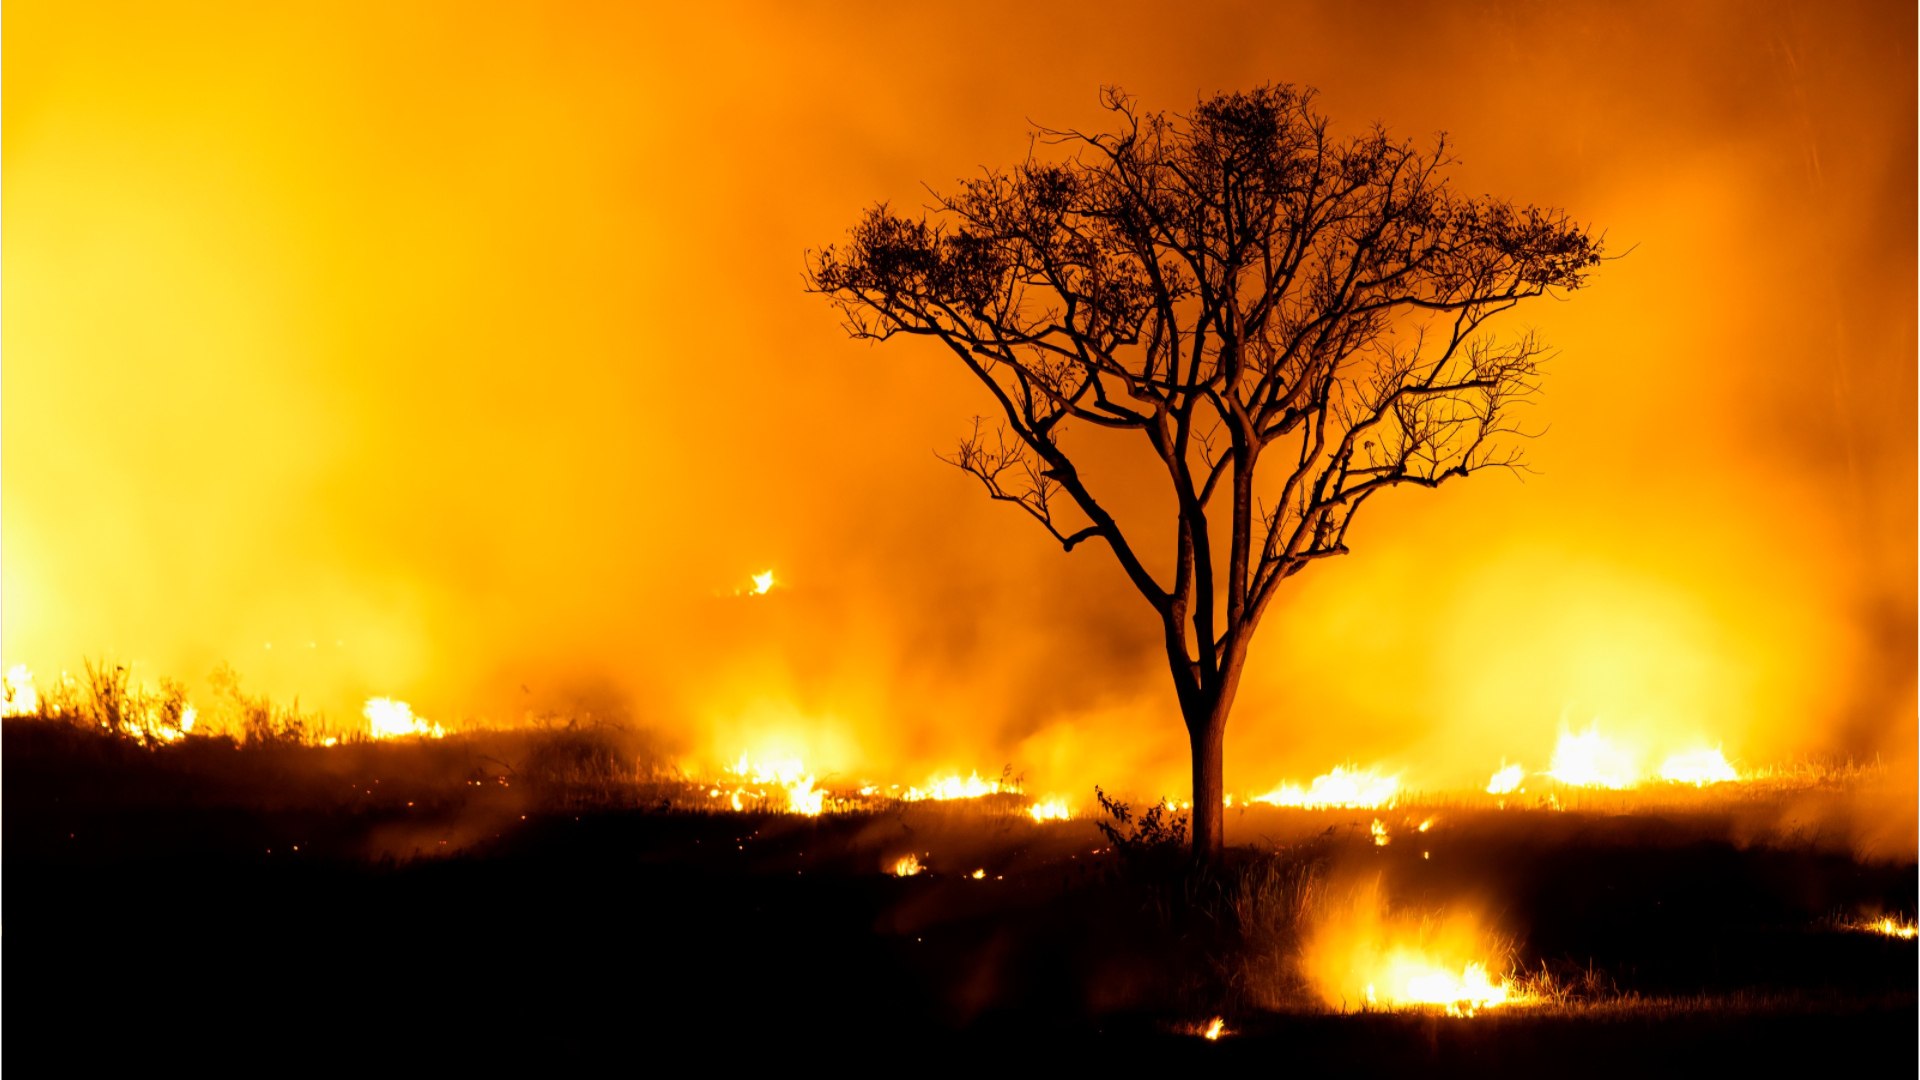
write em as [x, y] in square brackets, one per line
[1243, 290]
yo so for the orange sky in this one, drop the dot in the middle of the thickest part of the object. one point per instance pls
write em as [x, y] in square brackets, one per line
[459, 352]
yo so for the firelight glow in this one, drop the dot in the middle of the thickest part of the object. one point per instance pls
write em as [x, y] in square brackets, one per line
[1052, 809]
[1889, 926]
[390, 719]
[1345, 787]
[21, 699]
[1408, 978]
[1506, 780]
[1359, 953]
[1591, 759]
[368, 318]
[1699, 768]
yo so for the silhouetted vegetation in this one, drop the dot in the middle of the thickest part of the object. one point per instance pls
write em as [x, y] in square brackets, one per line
[452, 879]
[1241, 288]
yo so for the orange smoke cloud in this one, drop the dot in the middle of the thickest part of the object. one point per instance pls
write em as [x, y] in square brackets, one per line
[462, 356]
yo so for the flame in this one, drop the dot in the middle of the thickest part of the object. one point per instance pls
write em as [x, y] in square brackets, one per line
[1506, 780]
[390, 719]
[763, 583]
[787, 774]
[171, 733]
[1889, 926]
[906, 866]
[952, 787]
[1357, 954]
[21, 698]
[1215, 1028]
[1379, 831]
[1698, 767]
[1344, 787]
[1051, 809]
[1590, 759]
[805, 799]
[1412, 979]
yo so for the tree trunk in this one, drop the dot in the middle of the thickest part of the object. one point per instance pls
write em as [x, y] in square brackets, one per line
[1208, 734]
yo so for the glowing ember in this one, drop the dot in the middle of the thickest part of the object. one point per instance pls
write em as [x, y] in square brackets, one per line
[1412, 979]
[1590, 759]
[1507, 780]
[1698, 767]
[1379, 831]
[1344, 787]
[906, 866]
[1050, 810]
[21, 699]
[762, 583]
[390, 719]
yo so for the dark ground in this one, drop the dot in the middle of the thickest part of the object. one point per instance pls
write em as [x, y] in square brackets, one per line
[160, 915]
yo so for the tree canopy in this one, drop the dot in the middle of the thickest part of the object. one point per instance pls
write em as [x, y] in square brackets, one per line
[1242, 288]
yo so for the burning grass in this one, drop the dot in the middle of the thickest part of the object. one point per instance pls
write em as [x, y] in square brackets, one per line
[1892, 926]
[963, 912]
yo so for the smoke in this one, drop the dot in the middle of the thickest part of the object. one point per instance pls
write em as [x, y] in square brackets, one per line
[464, 358]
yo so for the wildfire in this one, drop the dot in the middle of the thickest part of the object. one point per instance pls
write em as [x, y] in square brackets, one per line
[21, 699]
[1344, 787]
[1379, 831]
[906, 866]
[1889, 926]
[952, 787]
[1358, 954]
[1050, 810]
[1507, 780]
[174, 733]
[1590, 759]
[1412, 979]
[787, 774]
[1698, 767]
[390, 719]
[805, 799]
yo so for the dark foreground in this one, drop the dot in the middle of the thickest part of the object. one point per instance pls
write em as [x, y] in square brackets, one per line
[159, 914]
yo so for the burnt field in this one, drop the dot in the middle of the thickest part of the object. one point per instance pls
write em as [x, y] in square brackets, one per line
[537, 900]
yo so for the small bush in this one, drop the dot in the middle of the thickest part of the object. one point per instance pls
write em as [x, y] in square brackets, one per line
[258, 720]
[1157, 836]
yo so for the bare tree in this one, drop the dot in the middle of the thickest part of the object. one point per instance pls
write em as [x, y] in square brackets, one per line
[1243, 290]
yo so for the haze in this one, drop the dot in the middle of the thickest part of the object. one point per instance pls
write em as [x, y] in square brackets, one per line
[461, 355]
